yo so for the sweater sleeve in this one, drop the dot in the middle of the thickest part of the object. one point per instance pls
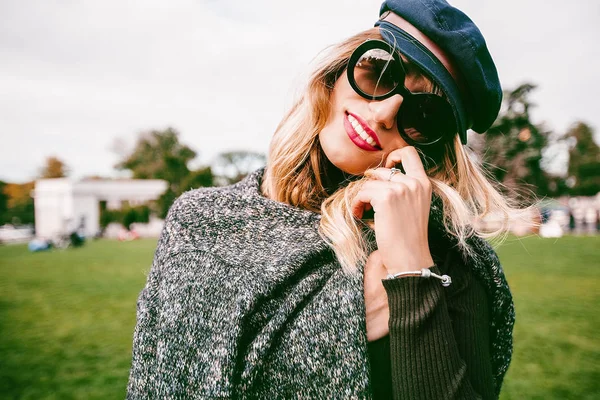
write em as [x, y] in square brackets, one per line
[439, 337]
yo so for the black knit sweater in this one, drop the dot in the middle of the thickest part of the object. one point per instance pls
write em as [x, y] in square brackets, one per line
[245, 300]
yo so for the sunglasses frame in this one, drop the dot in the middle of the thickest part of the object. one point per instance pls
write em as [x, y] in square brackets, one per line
[401, 89]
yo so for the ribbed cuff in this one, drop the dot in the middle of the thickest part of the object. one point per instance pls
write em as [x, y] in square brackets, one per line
[405, 291]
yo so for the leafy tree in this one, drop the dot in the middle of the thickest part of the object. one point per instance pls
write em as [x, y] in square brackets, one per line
[233, 166]
[3, 204]
[160, 155]
[512, 149]
[201, 177]
[16, 203]
[164, 202]
[54, 168]
[125, 216]
[584, 161]
[19, 203]
[135, 214]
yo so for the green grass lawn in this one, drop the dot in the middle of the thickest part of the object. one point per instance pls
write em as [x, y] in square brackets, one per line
[556, 288]
[67, 317]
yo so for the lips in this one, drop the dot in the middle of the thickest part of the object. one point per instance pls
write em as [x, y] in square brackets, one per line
[359, 132]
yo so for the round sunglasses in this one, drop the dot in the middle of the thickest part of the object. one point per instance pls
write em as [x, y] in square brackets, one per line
[376, 72]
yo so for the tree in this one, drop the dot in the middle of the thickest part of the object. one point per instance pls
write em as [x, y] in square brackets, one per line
[160, 155]
[584, 161]
[126, 216]
[19, 203]
[135, 214]
[201, 177]
[54, 168]
[512, 148]
[233, 166]
[3, 204]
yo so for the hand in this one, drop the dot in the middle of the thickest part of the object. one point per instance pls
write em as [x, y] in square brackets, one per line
[401, 208]
[376, 301]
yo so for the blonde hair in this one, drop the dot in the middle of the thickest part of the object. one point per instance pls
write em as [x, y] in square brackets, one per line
[295, 167]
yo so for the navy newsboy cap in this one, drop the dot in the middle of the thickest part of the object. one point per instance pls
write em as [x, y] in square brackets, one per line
[457, 35]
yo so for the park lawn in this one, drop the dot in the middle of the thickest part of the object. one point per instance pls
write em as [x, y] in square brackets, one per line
[67, 318]
[556, 288]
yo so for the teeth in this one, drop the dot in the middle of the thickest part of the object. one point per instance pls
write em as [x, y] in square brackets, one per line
[364, 135]
[361, 132]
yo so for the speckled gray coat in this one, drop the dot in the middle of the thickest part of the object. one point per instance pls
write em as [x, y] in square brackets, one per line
[245, 300]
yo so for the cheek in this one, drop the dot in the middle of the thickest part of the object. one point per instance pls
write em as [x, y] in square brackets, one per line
[336, 145]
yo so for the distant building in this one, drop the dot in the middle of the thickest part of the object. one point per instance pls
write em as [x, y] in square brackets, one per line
[63, 205]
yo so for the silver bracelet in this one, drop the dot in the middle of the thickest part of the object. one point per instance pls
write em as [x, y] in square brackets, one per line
[424, 273]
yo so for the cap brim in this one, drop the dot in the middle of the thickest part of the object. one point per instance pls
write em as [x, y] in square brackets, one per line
[418, 54]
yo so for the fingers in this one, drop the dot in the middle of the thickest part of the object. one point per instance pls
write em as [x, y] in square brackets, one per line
[370, 193]
[383, 175]
[385, 184]
[378, 192]
[411, 162]
[381, 188]
[360, 203]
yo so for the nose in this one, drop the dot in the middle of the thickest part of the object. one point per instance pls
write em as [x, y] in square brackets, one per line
[384, 111]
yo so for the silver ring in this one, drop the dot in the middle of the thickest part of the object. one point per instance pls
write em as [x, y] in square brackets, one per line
[393, 170]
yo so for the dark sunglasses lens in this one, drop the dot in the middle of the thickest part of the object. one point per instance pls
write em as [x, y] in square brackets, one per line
[426, 118]
[377, 72]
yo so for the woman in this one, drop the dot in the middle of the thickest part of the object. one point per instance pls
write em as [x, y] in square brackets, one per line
[350, 266]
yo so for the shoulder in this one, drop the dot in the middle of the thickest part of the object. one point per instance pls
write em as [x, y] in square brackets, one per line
[204, 204]
[200, 217]
[193, 216]
[194, 203]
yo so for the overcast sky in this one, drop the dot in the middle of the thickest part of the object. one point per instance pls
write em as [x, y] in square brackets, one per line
[75, 75]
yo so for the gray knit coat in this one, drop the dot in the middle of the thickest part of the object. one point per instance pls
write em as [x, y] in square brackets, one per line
[245, 300]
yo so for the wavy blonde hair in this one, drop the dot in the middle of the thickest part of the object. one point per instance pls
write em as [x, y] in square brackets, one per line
[295, 171]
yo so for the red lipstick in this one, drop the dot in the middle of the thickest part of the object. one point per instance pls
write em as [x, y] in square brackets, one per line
[360, 133]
